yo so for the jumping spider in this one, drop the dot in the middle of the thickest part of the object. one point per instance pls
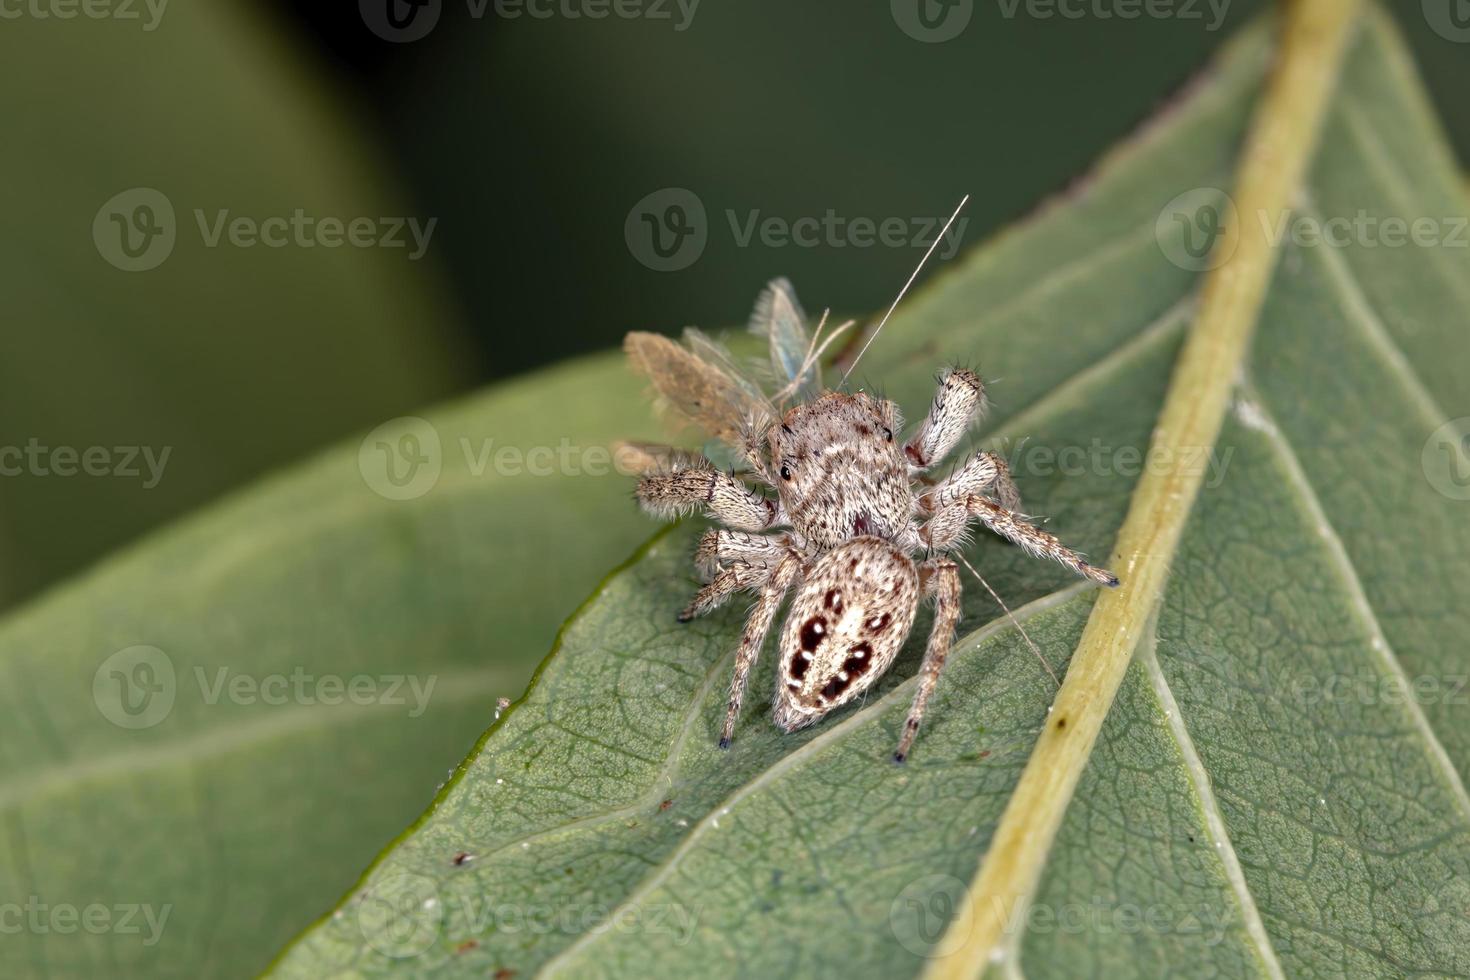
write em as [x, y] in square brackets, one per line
[847, 519]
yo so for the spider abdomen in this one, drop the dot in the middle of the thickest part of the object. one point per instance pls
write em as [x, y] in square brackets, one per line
[845, 628]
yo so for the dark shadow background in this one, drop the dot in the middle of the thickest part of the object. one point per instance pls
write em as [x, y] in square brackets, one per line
[530, 140]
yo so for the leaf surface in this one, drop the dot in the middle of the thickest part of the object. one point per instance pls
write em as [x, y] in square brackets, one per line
[1278, 789]
[247, 804]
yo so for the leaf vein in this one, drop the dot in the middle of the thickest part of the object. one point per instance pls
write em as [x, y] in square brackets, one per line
[1361, 605]
[1209, 806]
[789, 761]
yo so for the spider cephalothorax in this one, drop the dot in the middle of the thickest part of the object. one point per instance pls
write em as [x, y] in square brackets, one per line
[839, 469]
[849, 528]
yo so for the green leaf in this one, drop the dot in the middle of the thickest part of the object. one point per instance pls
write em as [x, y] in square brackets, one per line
[1267, 796]
[228, 359]
[243, 816]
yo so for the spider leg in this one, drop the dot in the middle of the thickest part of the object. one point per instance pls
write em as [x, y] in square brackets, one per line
[946, 530]
[648, 458]
[983, 472]
[725, 583]
[941, 579]
[757, 625]
[721, 495]
[734, 561]
[958, 402]
[720, 548]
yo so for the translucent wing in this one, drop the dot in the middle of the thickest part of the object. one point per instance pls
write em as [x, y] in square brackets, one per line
[779, 317]
[715, 353]
[698, 391]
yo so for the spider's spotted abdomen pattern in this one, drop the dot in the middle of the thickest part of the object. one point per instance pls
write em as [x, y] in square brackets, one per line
[846, 625]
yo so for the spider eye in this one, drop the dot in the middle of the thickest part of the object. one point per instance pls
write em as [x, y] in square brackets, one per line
[785, 472]
[887, 435]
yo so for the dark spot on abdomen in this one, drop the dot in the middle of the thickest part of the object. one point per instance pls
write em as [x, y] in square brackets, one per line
[859, 660]
[813, 631]
[834, 687]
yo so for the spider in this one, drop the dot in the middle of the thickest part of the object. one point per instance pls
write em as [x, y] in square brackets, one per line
[848, 519]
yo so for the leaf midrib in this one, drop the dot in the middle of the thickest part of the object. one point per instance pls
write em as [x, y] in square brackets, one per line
[1343, 280]
[1280, 143]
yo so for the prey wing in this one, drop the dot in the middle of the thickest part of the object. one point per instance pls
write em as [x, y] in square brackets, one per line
[697, 389]
[779, 318]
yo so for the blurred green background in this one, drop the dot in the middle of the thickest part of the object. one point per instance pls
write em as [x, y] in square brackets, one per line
[528, 140]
